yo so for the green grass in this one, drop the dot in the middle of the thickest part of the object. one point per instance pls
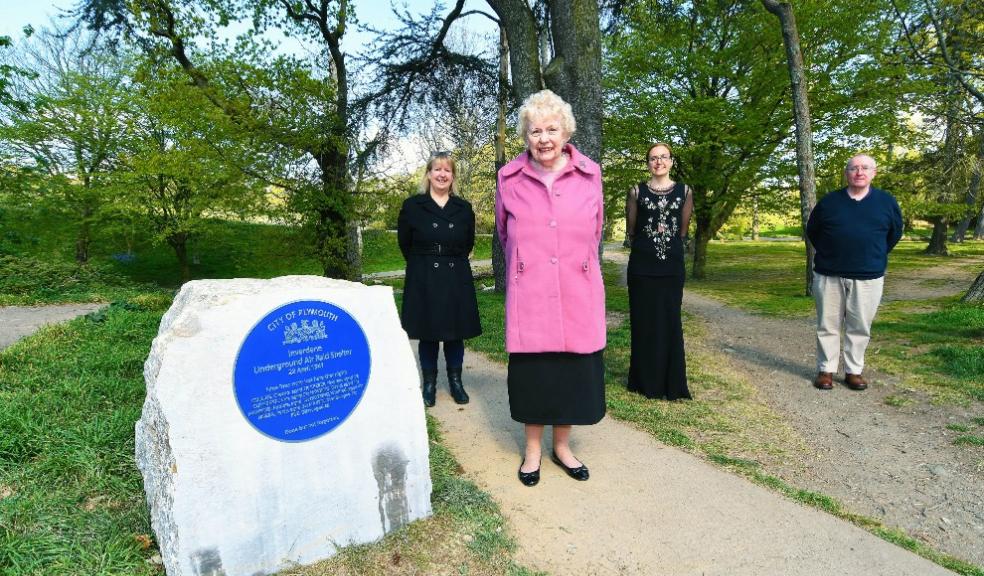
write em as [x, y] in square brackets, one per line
[71, 498]
[769, 277]
[36, 241]
[71, 395]
[969, 440]
[26, 281]
[941, 351]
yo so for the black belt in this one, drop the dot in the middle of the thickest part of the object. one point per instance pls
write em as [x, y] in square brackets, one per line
[437, 249]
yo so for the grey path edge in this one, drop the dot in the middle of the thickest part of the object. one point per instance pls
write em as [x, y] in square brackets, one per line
[17, 322]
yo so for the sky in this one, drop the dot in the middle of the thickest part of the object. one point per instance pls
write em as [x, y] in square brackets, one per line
[15, 14]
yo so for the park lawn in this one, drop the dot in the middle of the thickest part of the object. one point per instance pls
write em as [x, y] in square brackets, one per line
[768, 277]
[40, 268]
[71, 497]
[726, 422]
[940, 350]
[934, 345]
[381, 253]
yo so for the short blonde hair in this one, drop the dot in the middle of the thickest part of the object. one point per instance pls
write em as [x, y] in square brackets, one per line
[543, 104]
[447, 159]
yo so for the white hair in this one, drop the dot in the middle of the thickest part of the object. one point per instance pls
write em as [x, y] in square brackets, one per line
[848, 165]
[544, 104]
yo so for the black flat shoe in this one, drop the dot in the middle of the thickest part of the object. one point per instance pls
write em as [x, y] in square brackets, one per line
[528, 478]
[579, 473]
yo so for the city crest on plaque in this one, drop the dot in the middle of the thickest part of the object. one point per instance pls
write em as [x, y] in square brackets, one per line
[301, 370]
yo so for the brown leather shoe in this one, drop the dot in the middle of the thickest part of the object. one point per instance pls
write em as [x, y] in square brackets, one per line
[824, 381]
[855, 382]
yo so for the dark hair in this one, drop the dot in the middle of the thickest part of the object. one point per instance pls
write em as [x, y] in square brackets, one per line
[655, 144]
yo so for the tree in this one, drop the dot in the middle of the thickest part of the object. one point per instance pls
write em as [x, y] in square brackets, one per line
[187, 162]
[945, 39]
[801, 116]
[553, 44]
[703, 75]
[169, 27]
[976, 291]
[8, 72]
[67, 123]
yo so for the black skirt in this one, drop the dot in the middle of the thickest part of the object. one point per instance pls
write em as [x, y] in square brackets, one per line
[657, 367]
[557, 388]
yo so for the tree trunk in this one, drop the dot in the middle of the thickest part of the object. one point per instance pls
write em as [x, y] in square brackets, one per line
[972, 189]
[517, 20]
[702, 236]
[951, 144]
[979, 230]
[336, 246]
[804, 132]
[937, 242]
[498, 254]
[84, 238]
[179, 243]
[976, 291]
[575, 72]
[755, 218]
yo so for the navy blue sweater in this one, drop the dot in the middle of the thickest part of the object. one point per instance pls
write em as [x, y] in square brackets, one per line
[853, 238]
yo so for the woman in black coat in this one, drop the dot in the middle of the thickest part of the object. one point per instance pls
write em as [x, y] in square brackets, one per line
[436, 233]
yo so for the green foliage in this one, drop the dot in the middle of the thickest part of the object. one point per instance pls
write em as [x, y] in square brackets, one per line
[71, 128]
[713, 81]
[26, 280]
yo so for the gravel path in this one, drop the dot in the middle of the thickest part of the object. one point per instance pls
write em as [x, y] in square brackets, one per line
[897, 465]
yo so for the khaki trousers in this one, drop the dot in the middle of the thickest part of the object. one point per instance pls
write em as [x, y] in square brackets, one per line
[851, 304]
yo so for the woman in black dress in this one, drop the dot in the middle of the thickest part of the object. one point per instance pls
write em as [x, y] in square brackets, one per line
[657, 214]
[436, 233]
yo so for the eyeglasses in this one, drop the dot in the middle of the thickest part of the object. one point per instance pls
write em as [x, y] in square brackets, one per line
[551, 132]
[862, 168]
[661, 157]
[441, 154]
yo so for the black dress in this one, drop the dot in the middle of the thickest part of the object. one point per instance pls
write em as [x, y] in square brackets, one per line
[657, 367]
[439, 302]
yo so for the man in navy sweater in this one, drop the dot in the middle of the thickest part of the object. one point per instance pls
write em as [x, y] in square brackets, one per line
[853, 230]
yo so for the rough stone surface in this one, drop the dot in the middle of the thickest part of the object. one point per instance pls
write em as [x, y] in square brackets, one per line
[228, 500]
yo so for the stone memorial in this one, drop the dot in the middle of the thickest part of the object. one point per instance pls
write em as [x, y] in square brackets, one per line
[283, 421]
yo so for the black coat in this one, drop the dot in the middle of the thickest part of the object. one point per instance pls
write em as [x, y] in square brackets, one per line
[439, 292]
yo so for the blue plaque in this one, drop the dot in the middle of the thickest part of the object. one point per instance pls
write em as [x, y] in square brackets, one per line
[301, 370]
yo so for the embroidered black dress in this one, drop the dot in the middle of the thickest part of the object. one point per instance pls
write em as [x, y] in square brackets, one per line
[656, 272]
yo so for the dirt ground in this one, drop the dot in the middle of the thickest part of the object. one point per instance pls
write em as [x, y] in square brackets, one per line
[895, 464]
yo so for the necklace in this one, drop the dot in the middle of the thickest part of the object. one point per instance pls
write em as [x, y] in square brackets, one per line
[662, 189]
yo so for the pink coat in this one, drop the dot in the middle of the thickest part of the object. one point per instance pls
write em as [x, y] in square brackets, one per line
[555, 297]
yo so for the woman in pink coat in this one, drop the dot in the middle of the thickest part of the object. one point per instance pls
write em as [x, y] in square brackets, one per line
[549, 218]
